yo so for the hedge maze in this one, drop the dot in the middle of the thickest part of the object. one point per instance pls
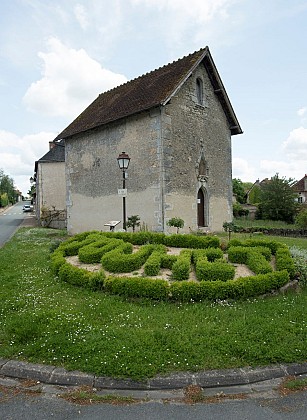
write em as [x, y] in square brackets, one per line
[214, 277]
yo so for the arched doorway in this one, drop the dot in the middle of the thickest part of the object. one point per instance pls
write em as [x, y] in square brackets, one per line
[202, 208]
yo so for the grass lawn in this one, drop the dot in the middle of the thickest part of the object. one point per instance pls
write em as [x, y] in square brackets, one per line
[47, 321]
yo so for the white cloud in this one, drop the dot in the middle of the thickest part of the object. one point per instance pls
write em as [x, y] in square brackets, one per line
[288, 169]
[81, 16]
[243, 170]
[296, 145]
[70, 81]
[200, 10]
[302, 111]
[18, 155]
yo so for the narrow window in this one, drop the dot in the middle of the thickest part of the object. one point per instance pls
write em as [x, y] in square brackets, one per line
[199, 91]
[202, 208]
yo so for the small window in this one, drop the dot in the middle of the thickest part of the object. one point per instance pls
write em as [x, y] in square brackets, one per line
[199, 91]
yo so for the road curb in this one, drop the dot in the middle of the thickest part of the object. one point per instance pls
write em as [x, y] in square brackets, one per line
[206, 379]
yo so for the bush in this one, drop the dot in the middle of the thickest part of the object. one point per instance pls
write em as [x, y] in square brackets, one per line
[168, 260]
[137, 287]
[257, 262]
[284, 261]
[93, 252]
[301, 220]
[191, 241]
[300, 263]
[238, 254]
[80, 277]
[153, 264]
[57, 260]
[182, 267]
[213, 271]
[121, 260]
[211, 254]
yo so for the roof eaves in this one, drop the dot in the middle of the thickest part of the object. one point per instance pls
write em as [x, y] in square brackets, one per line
[220, 91]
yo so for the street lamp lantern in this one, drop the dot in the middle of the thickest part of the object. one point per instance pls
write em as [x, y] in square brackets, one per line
[123, 163]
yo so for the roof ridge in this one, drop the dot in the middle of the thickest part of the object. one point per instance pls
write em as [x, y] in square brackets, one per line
[153, 71]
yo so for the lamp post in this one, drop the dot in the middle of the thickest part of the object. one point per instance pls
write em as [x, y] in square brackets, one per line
[123, 163]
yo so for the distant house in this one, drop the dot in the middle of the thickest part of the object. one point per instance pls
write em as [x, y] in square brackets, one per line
[176, 124]
[50, 205]
[301, 188]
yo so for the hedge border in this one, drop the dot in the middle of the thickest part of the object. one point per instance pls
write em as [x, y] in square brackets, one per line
[182, 290]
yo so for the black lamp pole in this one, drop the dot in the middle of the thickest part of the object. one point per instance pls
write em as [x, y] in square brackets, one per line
[123, 163]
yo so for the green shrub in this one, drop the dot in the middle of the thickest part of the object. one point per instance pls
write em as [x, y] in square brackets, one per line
[191, 241]
[182, 267]
[80, 277]
[241, 288]
[284, 261]
[211, 254]
[213, 271]
[257, 262]
[92, 253]
[168, 260]
[57, 260]
[120, 261]
[153, 263]
[137, 287]
[238, 254]
[300, 263]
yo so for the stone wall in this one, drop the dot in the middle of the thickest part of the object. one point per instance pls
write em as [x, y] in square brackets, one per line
[165, 146]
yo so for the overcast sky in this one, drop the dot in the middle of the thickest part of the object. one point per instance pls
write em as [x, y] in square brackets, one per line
[58, 55]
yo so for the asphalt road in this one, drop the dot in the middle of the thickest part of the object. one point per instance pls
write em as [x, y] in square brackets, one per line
[47, 406]
[10, 220]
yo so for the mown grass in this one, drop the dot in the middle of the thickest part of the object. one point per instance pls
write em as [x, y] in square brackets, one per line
[276, 224]
[46, 321]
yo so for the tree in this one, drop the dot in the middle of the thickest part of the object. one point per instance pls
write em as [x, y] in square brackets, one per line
[133, 221]
[7, 191]
[301, 219]
[277, 199]
[176, 222]
[238, 190]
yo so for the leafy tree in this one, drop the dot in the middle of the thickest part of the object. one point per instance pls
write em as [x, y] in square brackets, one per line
[7, 191]
[278, 199]
[176, 222]
[133, 221]
[254, 195]
[301, 219]
[238, 190]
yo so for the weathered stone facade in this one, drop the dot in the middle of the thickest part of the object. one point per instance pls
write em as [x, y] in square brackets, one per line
[180, 152]
[50, 203]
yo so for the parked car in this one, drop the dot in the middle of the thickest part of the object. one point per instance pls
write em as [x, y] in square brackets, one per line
[27, 208]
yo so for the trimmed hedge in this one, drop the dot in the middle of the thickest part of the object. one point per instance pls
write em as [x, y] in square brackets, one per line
[272, 245]
[284, 261]
[243, 287]
[80, 277]
[255, 258]
[153, 263]
[137, 287]
[92, 253]
[211, 254]
[90, 245]
[257, 262]
[182, 267]
[213, 271]
[120, 261]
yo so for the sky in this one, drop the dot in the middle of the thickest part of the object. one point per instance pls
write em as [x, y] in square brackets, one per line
[56, 56]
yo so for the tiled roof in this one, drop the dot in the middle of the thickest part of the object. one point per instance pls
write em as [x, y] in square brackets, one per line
[300, 185]
[55, 154]
[148, 91]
